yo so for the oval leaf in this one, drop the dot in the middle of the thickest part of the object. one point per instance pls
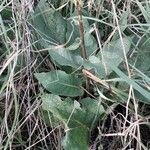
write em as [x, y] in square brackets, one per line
[60, 83]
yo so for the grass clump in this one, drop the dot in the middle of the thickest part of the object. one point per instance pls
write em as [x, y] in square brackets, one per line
[74, 74]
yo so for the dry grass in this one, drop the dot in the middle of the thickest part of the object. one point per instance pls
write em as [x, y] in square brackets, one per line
[21, 124]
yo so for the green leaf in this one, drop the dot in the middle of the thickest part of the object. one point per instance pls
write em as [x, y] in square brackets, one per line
[141, 58]
[60, 83]
[74, 46]
[78, 119]
[96, 64]
[49, 23]
[49, 119]
[6, 14]
[52, 29]
[76, 139]
[135, 85]
[113, 52]
[90, 43]
[65, 58]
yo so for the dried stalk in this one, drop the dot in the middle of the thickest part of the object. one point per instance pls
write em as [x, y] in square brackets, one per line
[81, 30]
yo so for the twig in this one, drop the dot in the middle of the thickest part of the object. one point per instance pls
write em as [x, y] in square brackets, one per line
[81, 29]
[96, 79]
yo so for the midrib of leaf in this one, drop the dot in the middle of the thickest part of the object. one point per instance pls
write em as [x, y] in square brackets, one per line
[61, 83]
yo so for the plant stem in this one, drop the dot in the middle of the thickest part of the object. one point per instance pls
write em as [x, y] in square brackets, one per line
[81, 29]
[82, 45]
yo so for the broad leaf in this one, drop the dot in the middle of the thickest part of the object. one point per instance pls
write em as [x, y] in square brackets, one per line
[78, 119]
[53, 30]
[60, 83]
[65, 58]
[48, 23]
[113, 52]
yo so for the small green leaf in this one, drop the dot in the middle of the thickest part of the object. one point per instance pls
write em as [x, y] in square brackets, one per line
[60, 83]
